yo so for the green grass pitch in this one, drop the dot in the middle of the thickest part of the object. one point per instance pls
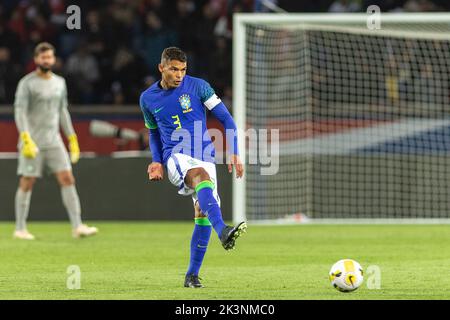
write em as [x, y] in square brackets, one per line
[130, 260]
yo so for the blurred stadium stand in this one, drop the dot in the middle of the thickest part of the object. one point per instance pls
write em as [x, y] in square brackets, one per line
[114, 55]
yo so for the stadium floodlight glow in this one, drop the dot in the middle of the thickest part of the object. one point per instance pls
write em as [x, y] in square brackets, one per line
[363, 117]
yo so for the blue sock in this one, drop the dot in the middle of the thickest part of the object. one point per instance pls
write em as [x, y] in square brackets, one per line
[199, 244]
[209, 206]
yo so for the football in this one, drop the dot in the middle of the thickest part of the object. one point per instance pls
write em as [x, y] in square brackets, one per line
[346, 275]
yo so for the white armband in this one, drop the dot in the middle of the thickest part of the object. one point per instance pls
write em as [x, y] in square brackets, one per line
[213, 101]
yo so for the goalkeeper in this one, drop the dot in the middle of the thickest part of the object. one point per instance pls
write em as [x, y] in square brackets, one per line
[40, 107]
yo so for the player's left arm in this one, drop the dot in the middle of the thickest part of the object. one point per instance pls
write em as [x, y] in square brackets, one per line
[67, 126]
[220, 111]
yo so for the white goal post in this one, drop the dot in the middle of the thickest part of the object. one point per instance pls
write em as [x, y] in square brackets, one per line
[363, 117]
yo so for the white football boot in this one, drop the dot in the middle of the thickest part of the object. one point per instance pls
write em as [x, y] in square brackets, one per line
[84, 231]
[23, 235]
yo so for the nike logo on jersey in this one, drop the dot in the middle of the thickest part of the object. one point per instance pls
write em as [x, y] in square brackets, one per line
[158, 110]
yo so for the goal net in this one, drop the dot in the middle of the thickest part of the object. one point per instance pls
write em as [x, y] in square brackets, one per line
[363, 117]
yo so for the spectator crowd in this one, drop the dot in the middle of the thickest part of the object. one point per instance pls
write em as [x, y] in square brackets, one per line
[114, 55]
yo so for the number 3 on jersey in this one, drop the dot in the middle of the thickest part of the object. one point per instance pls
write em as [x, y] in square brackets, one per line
[177, 121]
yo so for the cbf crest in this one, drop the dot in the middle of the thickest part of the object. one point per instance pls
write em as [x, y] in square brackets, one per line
[185, 102]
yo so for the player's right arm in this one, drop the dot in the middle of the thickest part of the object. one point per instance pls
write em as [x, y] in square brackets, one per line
[155, 169]
[29, 148]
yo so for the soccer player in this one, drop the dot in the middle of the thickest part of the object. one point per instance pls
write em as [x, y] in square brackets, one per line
[174, 110]
[40, 108]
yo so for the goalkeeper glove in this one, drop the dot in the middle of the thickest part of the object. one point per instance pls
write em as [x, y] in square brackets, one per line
[29, 148]
[74, 148]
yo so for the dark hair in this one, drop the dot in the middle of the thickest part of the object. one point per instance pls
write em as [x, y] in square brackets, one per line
[173, 53]
[42, 47]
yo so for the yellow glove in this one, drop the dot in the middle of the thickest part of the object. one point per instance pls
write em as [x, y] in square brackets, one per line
[29, 148]
[74, 148]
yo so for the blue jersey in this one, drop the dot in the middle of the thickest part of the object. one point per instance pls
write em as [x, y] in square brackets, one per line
[179, 115]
